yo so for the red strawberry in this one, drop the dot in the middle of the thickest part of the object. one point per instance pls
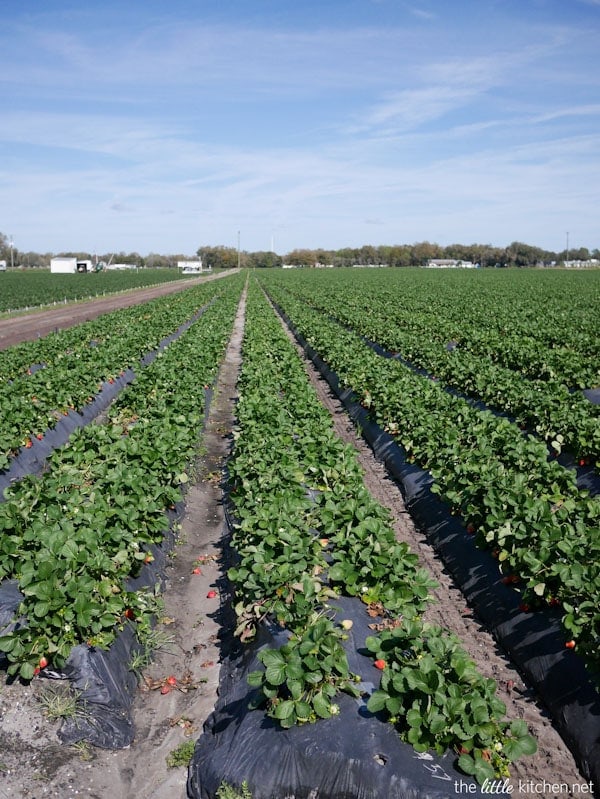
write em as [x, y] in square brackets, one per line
[197, 570]
[171, 680]
[165, 689]
[380, 664]
[211, 594]
[570, 644]
[43, 662]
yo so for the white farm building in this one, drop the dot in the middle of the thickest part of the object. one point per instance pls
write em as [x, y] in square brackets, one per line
[449, 263]
[64, 265]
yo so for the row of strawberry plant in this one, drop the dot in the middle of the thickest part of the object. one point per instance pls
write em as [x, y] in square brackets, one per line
[306, 531]
[563, 418]
[74, 535]
[70, 367]
[17, 361]
[542, 528]
[542, 325]
[28, 289]
[54, 347]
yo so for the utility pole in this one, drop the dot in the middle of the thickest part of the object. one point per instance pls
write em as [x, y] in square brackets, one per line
[238, 249]
[567, 258]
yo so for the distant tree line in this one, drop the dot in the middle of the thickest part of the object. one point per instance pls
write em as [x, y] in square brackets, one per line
[517, 254]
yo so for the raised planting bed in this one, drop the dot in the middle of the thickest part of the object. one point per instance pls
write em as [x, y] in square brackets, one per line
[339, 686]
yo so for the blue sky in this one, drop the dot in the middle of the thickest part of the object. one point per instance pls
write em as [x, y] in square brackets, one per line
[157, 126]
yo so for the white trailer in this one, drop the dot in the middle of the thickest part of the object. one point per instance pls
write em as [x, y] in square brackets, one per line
[192, 267]
[69, 266]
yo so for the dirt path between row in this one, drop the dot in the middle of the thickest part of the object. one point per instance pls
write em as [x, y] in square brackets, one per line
[34, 765]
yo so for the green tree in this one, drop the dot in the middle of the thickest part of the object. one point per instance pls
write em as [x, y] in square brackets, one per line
[422, 251]
[344, 257]
[264, 260]
[301, 258]
[221, 257]
[521, 255]
[155, 261]
[399, 255]
[368, 254]
[7, 253]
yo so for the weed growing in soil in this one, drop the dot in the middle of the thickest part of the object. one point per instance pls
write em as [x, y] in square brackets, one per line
[83, 749]
[226, 791]
[60, 702]
[181, 755]
[151, 640]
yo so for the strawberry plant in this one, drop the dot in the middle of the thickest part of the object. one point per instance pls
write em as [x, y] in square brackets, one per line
[497, 479]
[540, 399]
[31, 288]
[435, 697]
[69, 372]
[302, 678]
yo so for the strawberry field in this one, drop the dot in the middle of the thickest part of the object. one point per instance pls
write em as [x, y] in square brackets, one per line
[73, 535]
[485, 383]
[30, 289]
[500, 474]
[307, 534]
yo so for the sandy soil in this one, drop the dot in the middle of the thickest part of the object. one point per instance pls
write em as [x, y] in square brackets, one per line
[33, 764]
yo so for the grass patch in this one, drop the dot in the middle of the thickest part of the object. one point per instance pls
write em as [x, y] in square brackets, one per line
[226, 791]
[60, 701]
[181, 755]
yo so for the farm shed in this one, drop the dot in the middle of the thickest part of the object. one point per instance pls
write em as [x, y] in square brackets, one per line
[67, 265]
